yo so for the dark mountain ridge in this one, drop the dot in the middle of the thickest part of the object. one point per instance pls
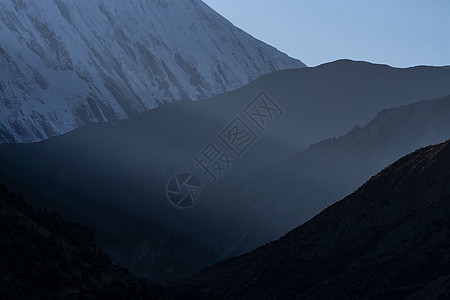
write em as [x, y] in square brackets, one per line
[321, 102]
[43, 256]
[115, 173]
[388, 240]
[282, 196]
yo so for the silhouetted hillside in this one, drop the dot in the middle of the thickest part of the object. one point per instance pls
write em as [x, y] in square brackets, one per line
[287, 194]
[235, 215]
[45, 257]
[388, 240]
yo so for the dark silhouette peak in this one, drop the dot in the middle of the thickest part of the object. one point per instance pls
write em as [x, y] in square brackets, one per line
[44, 257]
[389, 239]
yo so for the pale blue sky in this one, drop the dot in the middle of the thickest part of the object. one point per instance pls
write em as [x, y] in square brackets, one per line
[399, 33]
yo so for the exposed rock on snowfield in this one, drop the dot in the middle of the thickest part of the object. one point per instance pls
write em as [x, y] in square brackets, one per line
[68, 63]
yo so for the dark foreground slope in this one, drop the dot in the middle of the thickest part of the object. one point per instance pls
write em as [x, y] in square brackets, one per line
[388, 240]
[44, 257]
[236, 215]
[285, 195]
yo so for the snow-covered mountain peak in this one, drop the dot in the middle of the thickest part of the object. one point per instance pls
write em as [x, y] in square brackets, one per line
[68, 63]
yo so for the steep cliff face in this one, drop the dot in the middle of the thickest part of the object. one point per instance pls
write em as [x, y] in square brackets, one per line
[68, 63]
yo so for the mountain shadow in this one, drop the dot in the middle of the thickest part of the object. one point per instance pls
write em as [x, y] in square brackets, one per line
[387, 240]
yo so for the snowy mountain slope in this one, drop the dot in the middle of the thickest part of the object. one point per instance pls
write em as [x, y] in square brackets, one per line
[67, 63]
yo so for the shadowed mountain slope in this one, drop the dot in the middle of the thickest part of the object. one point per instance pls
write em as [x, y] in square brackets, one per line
[388, 240]
[116, 173]
[287, 194]
[43, 256]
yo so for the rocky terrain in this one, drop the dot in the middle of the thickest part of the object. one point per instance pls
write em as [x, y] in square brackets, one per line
[65, 63]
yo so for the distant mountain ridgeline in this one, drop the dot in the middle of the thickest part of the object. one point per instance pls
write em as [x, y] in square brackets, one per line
[387, 240]
[235, 215]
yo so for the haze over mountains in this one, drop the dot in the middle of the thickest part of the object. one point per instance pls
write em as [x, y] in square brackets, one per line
[108, 175]
[319, 103]
[284, 195]
[387, 240]
[43, 257]
[103, 102]
[70, 63]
